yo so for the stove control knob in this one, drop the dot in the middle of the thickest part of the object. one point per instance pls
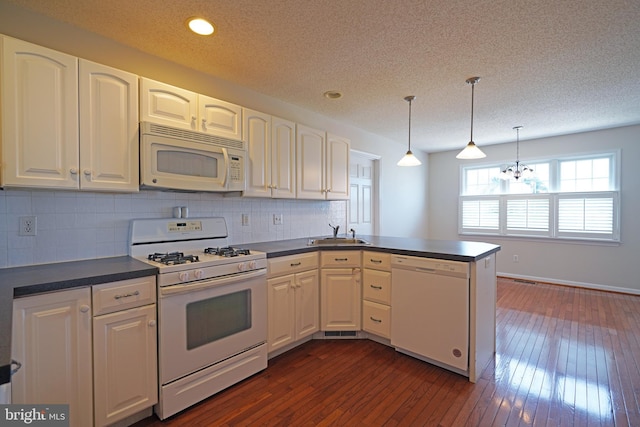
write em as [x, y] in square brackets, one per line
[252, 265]
[183, 276]
[242, 266]
[199, 274]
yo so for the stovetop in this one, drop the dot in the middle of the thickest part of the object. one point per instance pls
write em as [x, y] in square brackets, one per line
[198, 245]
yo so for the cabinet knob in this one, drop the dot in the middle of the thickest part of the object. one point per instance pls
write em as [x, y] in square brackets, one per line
[152, 323]
[84, 308]
[87, 172]
[73, 171]
[204, 124]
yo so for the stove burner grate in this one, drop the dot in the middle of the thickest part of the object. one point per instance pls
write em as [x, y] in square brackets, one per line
[228, 251]
[172, 258]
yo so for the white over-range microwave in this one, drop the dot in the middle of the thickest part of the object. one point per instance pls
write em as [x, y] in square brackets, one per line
[180, 159]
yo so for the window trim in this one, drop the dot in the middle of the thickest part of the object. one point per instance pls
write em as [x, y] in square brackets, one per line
[554, 197]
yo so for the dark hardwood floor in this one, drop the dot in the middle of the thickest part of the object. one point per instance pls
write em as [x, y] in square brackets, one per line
[565, 357]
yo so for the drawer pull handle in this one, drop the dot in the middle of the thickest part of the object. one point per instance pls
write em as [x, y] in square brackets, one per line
[375, 320]
[375, 261]
[295, 264]
[376, 287]
[130, 294]
[341, 259]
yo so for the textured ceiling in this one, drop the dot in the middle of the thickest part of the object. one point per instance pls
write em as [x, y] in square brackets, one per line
[554, 67]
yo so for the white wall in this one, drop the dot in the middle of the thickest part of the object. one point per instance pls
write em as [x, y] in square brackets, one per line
[588, 264]
[403, 191]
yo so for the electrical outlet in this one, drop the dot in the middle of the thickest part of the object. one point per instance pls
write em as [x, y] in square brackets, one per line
[277, 219]
[245, 220]
[28, 226]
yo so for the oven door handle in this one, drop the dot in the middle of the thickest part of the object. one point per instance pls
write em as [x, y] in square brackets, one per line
[210, 283]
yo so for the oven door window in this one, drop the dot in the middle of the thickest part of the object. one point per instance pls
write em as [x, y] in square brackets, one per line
[215, 318]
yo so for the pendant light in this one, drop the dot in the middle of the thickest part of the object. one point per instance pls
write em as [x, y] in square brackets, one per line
[471, 151]
[518, 170]
[409, 159]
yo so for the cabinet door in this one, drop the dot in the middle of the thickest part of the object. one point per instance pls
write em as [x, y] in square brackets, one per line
[307, 303]
[283, 158]
[337, 175]
[108, 128]
[125, 367]
[257, 133]
[52, 339]
[281, 311]
[39, 116]
[340, 299]
[168, 105]
[310, 151]
[219, 118]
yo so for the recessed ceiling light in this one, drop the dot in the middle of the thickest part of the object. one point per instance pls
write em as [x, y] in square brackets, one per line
[200, 26]
[332, 94]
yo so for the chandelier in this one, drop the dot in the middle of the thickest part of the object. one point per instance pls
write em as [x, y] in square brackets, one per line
[517, 170]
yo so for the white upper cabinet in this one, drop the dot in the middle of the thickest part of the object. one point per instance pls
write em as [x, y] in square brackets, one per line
[283, 158]
[168, 105]
[108, 128]
[323, 165]
[337, 174]
[173, 106]
[220, 118]
[67, 124]
[39, 116]
[271, 154]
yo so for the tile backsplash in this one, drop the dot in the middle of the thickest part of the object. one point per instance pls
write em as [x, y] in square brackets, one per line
[74, 225]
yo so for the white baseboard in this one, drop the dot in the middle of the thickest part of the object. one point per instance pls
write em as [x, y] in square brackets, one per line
[549, 280]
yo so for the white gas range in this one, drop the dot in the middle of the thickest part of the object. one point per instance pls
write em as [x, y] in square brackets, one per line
[212, 307]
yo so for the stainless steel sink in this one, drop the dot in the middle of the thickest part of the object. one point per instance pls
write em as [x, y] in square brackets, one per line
[337, 241]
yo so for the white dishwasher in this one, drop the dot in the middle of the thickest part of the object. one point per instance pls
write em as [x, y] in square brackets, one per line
[430, 310]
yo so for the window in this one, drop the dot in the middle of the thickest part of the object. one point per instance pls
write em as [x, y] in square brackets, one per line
[566, 198]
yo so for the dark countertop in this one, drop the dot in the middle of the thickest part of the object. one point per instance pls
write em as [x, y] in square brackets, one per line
[22, 281]
[452, 250]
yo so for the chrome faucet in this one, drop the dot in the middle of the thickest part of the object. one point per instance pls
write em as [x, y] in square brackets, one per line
[353, 233]
[335, 230]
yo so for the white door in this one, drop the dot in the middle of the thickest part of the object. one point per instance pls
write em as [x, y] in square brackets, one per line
[363, 197]
[108, 128]
[281, 311]
[341, 299]
[39, 89]
[307, 303]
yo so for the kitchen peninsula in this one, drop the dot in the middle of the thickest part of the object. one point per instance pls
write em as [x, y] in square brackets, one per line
[478, 259]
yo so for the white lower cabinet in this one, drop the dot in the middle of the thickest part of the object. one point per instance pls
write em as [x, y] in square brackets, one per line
[293, 300]
[376, 293]
[104, 368]
[340, 291]
[124, 349]
[51, 338]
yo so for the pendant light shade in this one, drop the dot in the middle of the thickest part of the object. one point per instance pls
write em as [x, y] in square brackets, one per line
[409, 159]
[471, 151]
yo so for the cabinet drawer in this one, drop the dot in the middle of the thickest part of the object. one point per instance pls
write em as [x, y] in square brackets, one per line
[339, 259]
[376, 318]
[376, 286]
[376, 260]
[292, 264]
[116, 296]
